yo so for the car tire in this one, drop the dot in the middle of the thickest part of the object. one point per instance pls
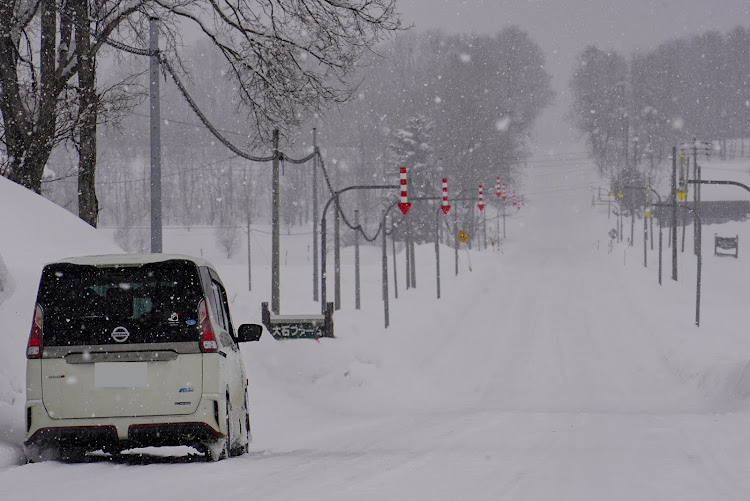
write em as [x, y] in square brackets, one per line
[242, 448]
[221, 449]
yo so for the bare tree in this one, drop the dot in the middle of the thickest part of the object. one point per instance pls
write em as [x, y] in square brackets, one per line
[39, 58]
[287, 58]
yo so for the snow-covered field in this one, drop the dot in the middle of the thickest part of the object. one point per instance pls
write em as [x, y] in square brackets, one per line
[554, 369]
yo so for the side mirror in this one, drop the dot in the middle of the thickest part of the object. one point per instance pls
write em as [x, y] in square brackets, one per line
[249, 332]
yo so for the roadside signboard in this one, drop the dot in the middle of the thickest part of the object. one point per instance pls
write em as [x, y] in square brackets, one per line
[298, 326]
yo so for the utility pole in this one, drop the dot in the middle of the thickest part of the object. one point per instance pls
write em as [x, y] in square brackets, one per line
[249, 262]
[695, 196]
[498, 229]
[684, 214]
[356, 260]
[503, 218]
[407, 249]
[315, 216]
[275, 252]
[674, 213]
[337, 256]
[627, 138]
[385, 274]
[645, 238]
[413, 258]
[484, 228]
[156, 222]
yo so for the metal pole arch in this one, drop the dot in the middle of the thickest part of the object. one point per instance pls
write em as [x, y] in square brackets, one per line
[323, 230]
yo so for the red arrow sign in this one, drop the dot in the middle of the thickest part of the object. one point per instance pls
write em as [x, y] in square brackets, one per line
[403, 205]
[445, 207]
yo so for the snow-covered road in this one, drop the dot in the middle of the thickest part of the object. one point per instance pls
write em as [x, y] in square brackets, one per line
[552, 370]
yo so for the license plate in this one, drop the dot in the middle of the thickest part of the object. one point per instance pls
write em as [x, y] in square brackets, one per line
[120, 375]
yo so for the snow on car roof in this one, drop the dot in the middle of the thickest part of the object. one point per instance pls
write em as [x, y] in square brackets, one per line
[130, 259]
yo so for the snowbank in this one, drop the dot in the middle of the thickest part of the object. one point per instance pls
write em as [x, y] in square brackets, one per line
[35, 231]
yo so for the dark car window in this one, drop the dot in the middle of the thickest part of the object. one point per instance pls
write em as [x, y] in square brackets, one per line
[155, 303]
[225, 306]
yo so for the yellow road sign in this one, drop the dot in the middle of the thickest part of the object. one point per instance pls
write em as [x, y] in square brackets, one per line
[462, 236]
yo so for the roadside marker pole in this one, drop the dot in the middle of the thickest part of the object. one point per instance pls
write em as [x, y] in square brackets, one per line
[445, 207]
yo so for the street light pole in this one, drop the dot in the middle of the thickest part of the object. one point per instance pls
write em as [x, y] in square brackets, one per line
[156, 219]
[385, 274]
[315, 216]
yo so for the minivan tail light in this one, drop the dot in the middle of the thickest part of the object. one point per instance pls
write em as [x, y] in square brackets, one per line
[34, 348]
[208, 340]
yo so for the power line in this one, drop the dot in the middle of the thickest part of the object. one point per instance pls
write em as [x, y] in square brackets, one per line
[63, 11]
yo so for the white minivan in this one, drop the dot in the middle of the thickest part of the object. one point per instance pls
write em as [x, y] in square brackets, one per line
[134, 350]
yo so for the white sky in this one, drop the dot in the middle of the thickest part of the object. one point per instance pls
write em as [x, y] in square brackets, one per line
[564, 27]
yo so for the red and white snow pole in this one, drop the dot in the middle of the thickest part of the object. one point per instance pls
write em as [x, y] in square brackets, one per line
[481, 198]
[498, 193]
[404, 204]
[502, 193]
[445, 207]
[514, 199]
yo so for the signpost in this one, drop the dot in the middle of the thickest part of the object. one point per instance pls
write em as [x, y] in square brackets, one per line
[298, 326]
[726, 244]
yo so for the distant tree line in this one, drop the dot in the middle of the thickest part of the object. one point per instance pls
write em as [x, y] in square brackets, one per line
[633, 109]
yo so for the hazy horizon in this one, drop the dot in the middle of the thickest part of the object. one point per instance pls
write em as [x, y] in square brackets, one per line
[563, 29]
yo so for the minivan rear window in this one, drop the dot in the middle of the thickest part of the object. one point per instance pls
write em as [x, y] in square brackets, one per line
[93, 305]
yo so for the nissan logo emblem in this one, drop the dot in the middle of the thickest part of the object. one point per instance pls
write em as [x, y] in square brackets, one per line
[120, 334]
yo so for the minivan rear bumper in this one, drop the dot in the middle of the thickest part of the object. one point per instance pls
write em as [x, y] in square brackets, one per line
[126, 432]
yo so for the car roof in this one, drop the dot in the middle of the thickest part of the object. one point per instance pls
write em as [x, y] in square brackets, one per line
[130, 259]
